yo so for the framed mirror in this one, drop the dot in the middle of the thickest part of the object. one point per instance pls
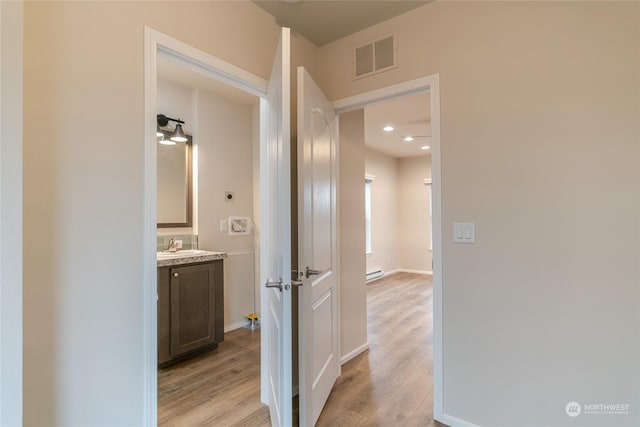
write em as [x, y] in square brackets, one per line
[175, 191]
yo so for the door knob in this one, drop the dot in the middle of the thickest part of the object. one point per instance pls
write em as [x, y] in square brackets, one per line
[308, 272]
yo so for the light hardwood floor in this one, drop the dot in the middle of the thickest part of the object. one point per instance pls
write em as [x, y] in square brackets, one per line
[391, 384]
[219, 388]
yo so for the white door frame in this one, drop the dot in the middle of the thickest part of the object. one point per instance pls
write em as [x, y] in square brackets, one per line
[11, 189]
[217, 69]
[430, 84]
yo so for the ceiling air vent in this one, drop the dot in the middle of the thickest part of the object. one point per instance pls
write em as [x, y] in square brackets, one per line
[374, 57]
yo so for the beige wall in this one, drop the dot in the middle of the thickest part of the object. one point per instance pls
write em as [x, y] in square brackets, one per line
[400, 225]
[83, 193]
[384, 211]
[353, 294]
[414, 223]
[224, 132]
[11, 27]
[540, 144]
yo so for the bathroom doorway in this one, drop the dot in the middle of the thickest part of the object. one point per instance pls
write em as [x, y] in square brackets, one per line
[206, 383]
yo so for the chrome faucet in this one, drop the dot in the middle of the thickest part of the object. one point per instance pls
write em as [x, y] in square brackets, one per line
[173, 245]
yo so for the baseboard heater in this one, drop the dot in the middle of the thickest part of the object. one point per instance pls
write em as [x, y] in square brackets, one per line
[376, 274]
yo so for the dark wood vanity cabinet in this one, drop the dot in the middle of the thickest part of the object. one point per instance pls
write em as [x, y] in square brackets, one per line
[190, 310]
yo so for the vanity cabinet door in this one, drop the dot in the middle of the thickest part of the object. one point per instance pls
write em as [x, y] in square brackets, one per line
[193, 302]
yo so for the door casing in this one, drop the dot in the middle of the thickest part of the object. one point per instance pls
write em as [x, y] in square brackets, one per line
[217, 69]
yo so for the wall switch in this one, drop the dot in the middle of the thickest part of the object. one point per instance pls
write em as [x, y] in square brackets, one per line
[464, 232]
[179, 244]
[223, 225]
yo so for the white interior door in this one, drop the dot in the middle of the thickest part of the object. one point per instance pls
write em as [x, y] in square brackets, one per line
[317, 248]
[275, 239]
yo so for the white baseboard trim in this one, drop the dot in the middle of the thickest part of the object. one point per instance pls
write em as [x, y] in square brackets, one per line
[407, 270]
[344, 359]
[376, 279]
[404, 270]
[234, 326]
[452, 421]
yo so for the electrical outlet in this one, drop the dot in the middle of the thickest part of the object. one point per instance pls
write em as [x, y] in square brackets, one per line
[179, 244]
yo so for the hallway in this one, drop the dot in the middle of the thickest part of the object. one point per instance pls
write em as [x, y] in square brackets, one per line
[392, 383]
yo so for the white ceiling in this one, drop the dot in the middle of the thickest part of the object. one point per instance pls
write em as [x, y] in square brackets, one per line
[172, 70]
[324, 21]
[410, 116]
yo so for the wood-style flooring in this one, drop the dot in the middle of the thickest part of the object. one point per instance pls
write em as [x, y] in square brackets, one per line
[219, 388]
[391, 384]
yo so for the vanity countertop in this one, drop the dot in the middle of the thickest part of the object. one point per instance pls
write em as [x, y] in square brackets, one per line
[188, 257]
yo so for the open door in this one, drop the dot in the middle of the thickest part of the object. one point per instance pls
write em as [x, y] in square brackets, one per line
[317, 248]
[275, 239]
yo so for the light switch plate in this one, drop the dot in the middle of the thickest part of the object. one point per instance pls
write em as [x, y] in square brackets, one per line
[464, 232]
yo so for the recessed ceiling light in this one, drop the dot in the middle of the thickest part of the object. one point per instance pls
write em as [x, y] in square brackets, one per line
[408, 139]
[387, 128]
[425, 147]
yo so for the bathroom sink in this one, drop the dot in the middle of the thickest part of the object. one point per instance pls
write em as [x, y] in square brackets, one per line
[188, 256]
[181, 253]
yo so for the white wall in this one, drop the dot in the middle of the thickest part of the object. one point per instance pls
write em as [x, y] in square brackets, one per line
[400, 226]
[540, 135]
[176, 101]
[414, 223]
[11, 27]
[384, 211]
[225, 163]
[83, 193]
[353, 293]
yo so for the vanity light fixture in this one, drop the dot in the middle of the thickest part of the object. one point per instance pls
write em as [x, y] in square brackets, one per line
[387, 128]
[178, 134]
[165, 141]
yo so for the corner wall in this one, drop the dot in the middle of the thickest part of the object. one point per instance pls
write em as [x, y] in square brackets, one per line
[384, 211]
[353, 293]
[414, 231]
